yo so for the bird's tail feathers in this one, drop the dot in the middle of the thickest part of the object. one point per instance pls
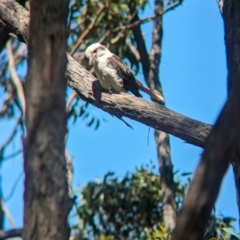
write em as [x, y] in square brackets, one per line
[150, 92]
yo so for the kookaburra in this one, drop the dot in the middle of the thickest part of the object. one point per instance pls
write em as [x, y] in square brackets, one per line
[113, 74]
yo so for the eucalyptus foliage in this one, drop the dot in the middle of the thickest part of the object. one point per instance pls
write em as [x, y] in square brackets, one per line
[131, 208]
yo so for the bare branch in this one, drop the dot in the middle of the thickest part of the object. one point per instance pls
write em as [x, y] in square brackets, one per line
[12, 155]
[8, 214]
[171, 5]
[16, 80]
[123, 30]
[70, 99]
[127, 27]
[13, 188]
[137, 22]
[10, 138]
[6, 101]
[10, 233]
[148, 113]
[133, 50]
[87, 30]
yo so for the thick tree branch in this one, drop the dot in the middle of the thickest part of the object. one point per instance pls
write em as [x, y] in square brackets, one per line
[88, 88]
[4, 31]
[10, 233]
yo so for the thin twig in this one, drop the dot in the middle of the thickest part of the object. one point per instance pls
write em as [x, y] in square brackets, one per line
[70, 99]
[9, 196]
[137, 23]
[16, 80]
[8, 215]
[133, 50]
[20, 53]
[13, 133]
[4, 108]
[8, 98]
[123, 31]
[172, 5]
[12, 155]
[127, 27]
[87, 30]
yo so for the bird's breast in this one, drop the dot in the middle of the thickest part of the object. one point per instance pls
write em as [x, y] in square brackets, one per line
[108, 77]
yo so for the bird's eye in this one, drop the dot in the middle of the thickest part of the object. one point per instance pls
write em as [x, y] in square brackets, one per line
[95, 51]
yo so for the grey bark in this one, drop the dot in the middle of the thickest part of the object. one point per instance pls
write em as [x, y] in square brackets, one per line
[4, 31]
[150, 65]
[88, 88]
[46, 199]
[223, 144]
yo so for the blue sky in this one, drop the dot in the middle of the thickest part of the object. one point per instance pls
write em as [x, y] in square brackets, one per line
[193, 75]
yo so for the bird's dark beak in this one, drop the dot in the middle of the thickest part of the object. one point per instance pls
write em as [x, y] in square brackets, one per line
[92, 59]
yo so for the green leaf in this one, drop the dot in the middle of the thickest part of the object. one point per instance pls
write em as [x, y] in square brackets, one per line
[230, 231]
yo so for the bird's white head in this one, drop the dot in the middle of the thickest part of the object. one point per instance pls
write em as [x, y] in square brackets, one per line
[95, 50]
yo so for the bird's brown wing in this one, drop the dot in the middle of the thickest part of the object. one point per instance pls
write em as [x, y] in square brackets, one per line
[129, 81]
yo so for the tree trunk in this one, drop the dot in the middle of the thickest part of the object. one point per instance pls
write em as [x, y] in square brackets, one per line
[223, 144]
[231, 16]
[46, 199]
[150, 64]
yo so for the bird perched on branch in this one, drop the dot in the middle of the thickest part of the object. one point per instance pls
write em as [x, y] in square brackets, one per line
[113, 74]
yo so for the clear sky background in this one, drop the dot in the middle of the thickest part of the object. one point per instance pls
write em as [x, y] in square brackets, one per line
[193, 75]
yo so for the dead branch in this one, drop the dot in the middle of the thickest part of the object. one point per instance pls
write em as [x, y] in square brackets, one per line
[10, 138]
[70, 99]
[16, 80]
[88, 88]
[171, 5]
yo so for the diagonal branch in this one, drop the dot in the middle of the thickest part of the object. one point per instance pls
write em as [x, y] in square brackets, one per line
[171, 5]
[148, 113]
[9, 139]
[10, 233]
[16, 80]
[87, 30]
